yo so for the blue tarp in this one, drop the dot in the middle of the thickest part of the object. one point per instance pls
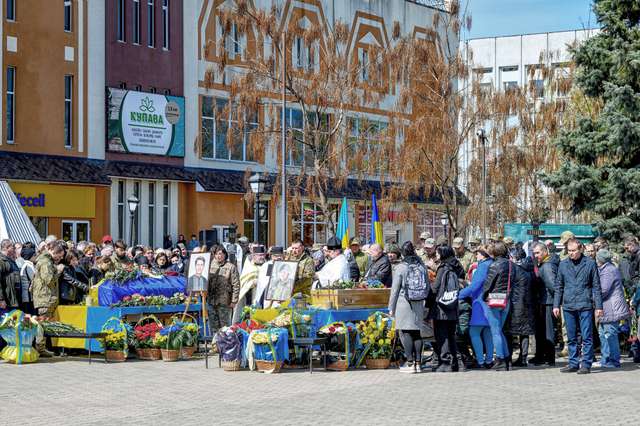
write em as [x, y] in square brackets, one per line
[263, 352]
[98, 315]
[110, 292]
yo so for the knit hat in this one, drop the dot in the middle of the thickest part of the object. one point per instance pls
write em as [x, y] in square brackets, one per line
[604, 256]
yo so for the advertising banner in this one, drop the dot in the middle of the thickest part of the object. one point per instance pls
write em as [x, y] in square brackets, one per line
[145, 123]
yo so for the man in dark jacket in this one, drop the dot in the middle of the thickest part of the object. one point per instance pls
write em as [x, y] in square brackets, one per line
[577, 290]
[380, 267]
[9, 276]
[545, 323]
[631, 269]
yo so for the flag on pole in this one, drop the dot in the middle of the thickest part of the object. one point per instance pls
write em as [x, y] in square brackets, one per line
[342, 232]
[376, 225]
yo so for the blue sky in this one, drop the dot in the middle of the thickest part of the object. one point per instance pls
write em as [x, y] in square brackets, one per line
[505, 17]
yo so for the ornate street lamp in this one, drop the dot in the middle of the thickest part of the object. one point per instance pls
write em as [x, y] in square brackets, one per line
[257, 183]
[132, 203]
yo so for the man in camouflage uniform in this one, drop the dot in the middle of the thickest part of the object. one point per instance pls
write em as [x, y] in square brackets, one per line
[429, 257]
[474, 244]
[119, 257]
[224, 287]
[464, 256]
[44, 286]
[495, 238]
[361, 258]
[509, 242]
[564, 237]
[420, 244]
[306, 268]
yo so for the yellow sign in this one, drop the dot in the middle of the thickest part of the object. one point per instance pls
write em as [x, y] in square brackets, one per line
[51, 200]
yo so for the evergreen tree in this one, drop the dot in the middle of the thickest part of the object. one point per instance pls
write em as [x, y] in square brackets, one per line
[601, 152]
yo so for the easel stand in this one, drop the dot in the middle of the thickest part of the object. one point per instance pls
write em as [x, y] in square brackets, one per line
[201, 297]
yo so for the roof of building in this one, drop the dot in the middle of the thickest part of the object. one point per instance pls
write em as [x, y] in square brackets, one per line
[62, 169]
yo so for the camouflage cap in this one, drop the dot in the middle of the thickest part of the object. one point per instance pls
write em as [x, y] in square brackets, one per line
[442, 241]
[457, 242]
[566, 236]
[496, 236]
[429, 243]
[425, 235]
[475, 241]
[393, 248]
[355, 241]
[508, 240]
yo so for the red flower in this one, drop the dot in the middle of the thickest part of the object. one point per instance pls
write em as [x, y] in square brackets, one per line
[332, 329]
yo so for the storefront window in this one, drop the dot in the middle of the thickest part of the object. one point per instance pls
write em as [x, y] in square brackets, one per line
[263, 231]
[152, 210]
[75, 230]
[120, 209]
[311, 226]
[429, 221]
[41, 224]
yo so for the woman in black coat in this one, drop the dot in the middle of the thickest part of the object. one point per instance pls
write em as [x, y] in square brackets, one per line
[521, 314]
[445, 317]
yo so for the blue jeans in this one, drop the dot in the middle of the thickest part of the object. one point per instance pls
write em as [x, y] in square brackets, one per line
[584, 320]
[609, 344]
[496, 318]
[482, 343]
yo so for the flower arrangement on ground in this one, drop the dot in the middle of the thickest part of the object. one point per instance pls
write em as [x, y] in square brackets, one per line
[377, 334]
[341, 344]
[145, 334]
[116, 340]
[19, 331]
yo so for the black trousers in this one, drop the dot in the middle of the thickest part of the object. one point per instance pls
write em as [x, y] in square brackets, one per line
[445, 349]
[412, 344]
[545, 334]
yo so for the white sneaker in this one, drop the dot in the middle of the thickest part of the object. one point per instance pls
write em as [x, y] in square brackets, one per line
[596, 364]
[418, 368]
[408, 367]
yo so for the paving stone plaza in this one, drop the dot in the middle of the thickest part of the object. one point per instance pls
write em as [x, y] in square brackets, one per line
[72, 392]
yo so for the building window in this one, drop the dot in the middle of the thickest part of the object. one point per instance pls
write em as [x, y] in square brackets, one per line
[538, 88]
[510, 86]
[222, 138]
[76, 230]
[429, 221]
[138, 87]
[165, 24]
[41, 224]
[67, 15]
[165, 209]
[121, 209]
[364, 64]
[152, 212]
[68, 111]
[151, 25]
[263, 230]
[136, 21]
[305, 57]
[153, 90]
[234, 42]
[11, 103]
[364, 222]
[167, 91]
[311, 226]
[366, 135]
[120, 28]
[11, 10]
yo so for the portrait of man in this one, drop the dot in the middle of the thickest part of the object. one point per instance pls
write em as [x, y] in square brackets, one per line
[282, 280]
[198, 272]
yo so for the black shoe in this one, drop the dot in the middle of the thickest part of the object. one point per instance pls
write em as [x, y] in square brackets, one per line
[536, 361]
[488, 366]
[520, 363]
[568, 369]
[501, 365]
[584, 370]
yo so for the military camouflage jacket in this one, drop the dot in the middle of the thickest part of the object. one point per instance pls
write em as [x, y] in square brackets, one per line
[44, 286]
[304, 274]
[466, 260]
[224, 283]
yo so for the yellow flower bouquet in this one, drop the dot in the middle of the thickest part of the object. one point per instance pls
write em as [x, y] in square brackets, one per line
[377, 334]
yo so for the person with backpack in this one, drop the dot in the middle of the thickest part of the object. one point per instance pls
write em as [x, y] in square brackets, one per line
[443, 309]
[406, 304]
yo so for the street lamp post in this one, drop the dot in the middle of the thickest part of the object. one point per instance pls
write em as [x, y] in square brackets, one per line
[444, 220]
[257, 183]
[481, 135]
[132, 202]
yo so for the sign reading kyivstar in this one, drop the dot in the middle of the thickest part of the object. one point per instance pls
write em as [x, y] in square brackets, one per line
[145, 123]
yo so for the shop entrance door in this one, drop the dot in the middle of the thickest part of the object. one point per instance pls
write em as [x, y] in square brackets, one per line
[76, 230]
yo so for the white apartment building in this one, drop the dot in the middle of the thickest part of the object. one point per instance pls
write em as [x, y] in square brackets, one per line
[504, 62]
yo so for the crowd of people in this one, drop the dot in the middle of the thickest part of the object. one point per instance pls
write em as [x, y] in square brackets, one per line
[478, 303]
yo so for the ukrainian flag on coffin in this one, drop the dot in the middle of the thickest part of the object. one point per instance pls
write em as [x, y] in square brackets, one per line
[376, 225]
[342, 231]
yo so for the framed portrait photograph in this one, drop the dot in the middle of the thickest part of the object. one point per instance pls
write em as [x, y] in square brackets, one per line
[198, 278]
[281, 281]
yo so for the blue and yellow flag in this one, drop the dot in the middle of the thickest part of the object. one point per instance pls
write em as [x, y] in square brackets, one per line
[342, 232]
[376, 225]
